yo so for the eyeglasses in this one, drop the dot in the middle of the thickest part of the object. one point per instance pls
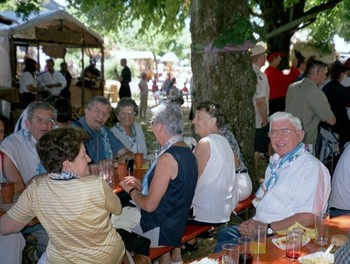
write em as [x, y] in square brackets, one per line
[127, 113]
[99, 111]
[153, 123]
[42, 121]
[282, 132]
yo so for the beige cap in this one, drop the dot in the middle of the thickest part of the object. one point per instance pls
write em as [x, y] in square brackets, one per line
[257, 50]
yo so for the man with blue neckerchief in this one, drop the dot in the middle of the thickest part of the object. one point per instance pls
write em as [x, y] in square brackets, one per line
[102, 143]
[296, 185]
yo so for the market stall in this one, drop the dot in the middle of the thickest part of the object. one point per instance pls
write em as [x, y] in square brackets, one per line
[51, 32]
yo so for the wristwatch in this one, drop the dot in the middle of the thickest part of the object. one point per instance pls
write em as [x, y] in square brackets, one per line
[269, 231]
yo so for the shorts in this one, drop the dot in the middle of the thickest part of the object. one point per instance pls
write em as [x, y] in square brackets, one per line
[261, 140]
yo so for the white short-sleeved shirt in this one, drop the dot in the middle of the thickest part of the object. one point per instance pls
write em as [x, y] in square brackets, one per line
[340, 195]
[26, 79]
[303, 187]
[262, 90]
[214, 197]
[20, 148]
[48, 78]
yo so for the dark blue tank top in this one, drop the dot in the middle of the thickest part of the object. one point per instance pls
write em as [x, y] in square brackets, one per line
[172, 213]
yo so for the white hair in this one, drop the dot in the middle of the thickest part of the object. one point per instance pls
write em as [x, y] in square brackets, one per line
[284, 116]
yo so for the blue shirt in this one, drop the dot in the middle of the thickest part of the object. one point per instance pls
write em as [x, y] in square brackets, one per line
[97, 147]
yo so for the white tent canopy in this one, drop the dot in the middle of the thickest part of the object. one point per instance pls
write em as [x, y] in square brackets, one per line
[50, 29]
[170, 57]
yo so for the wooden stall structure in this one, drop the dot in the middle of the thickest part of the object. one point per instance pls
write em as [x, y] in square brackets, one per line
[52, 32]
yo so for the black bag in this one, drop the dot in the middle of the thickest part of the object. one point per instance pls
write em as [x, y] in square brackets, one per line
[135, 243]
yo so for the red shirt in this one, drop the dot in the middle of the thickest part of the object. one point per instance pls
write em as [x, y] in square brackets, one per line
[279, 82]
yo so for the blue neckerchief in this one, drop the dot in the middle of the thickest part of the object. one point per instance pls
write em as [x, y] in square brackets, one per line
[40, 169]
[274, 167]
[167, 145]
[133, 141]
[106, 145]
[96, 138]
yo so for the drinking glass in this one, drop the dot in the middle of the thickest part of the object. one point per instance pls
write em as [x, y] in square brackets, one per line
[321, 228]
[230, 254]
[293, 243]
[258, 244]
[245, 255]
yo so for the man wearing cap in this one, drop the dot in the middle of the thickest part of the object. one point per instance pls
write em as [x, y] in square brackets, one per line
[261, 103]
[279, 81]
[306, 101]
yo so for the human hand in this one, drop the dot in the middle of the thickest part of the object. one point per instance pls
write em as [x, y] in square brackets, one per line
[247, 227]
[130, 182]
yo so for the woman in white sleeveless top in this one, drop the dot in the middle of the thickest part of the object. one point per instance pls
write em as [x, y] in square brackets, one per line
[215, 194]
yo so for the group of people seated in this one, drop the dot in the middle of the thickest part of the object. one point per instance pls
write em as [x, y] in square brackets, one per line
[61, 189]
[200, 187]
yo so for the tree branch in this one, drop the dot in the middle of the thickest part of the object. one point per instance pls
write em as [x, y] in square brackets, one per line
[308, 18]
[322, 7]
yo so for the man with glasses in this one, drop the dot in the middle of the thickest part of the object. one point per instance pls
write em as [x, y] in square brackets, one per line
[306, 101]
[21, 161]
[296, 184]
[102, 143]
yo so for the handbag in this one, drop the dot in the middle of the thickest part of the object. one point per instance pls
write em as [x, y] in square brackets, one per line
[134, 242]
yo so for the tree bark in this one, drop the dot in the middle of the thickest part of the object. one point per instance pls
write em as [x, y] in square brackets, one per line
[226, 78]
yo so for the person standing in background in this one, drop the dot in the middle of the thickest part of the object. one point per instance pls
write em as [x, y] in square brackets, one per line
[53, 80]
[278, 81]
[143, 95]
[28, 84]
[306, 101]
[124, 79]
[261, 104]
[346, 81]
[65, 93]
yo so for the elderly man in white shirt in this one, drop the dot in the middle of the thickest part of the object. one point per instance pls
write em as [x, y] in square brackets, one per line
[53, 80]
[296, 186]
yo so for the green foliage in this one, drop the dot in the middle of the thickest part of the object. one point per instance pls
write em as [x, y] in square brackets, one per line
[236, 35]
[243, 30]
[329, 23]
[160, 22]
[23, 8]
[115, 15]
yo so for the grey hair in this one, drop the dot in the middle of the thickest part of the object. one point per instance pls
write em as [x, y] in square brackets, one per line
[170, 115]
[284, 116]
[41, 105]
[313, 66]
[98, 99]
[126, 101]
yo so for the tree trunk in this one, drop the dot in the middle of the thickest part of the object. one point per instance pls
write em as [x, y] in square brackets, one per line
[224, 77]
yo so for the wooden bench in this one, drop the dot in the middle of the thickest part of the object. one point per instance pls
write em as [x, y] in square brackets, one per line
[244, 207]
[191, 231]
